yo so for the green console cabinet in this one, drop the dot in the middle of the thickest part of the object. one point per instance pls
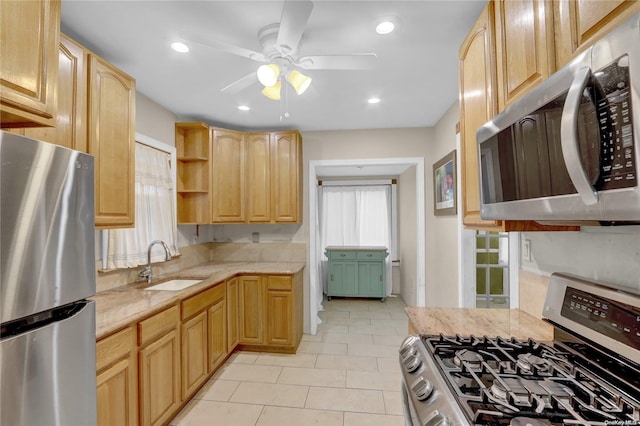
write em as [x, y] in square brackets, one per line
[356, 271]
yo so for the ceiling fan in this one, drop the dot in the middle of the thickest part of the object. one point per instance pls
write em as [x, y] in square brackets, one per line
[279, 57]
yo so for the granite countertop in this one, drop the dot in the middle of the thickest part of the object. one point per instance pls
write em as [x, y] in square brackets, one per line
[119, 307]
[479, 322]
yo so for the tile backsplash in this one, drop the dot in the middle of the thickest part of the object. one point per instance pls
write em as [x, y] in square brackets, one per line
[203, 253]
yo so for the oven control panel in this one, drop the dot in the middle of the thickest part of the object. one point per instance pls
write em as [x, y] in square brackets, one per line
[616, 320]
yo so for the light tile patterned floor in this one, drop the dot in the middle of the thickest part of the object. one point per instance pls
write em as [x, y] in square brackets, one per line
[346, 375]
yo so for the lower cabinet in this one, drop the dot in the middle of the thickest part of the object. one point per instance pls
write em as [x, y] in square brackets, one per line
[356, 271]
[149, 370]
[159, 364]
[117, 384]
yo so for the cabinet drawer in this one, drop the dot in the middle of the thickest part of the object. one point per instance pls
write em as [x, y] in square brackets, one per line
[158, 324]
[371, 255]
[342, 254]
[114, 347]
[279, 283]
[200, 301]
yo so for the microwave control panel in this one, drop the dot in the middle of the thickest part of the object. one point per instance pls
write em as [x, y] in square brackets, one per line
[611, 89]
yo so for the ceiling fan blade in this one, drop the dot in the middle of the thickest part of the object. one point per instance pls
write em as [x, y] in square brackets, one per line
[295, 15]
[225, 47]
[356, 61]
[241, 84]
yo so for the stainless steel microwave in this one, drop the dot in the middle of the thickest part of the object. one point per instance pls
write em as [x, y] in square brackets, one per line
[569, 149]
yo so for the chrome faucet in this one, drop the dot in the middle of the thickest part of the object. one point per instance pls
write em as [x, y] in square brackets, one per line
[146, 273]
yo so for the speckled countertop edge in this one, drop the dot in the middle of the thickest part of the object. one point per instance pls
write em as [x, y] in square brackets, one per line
[122, 306]
[479, 322]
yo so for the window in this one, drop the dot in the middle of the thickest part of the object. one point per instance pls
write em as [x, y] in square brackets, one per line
[492, 270]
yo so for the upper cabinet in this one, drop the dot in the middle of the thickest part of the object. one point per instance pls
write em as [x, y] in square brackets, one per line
[70, 128]
[111, 139]
[579, 23]
[274, 170]
[228, 185]
[477, 106]
[29, 33]
[519, 69]
[226, 176]
[524, 47]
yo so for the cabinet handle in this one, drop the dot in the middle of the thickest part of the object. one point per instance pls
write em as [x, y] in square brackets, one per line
[342, 255]
[369, 255]
[331, 277]
[380, 277]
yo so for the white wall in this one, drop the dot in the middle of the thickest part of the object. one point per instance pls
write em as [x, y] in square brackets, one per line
[407, 238]
[442, 231]
[609, 254]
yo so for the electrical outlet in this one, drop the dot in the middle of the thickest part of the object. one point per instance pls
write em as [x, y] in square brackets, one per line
[526, 250]
[255, 237]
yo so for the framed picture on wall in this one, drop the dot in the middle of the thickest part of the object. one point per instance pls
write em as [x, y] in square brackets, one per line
[445, 183]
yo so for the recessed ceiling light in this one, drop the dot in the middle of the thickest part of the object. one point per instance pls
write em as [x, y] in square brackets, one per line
[244, 108]
[180, 47]
[385, 27]
[374, 100]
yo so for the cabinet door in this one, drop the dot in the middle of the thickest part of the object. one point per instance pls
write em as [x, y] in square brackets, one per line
[251, 310]
[371, 279]
[524, 47]
[579, 23]
[217, 330]
[29, 33]
[71, 105]
[279, 311]
[228, 177]
[286, 177]
[160, 379]
[343, 279]
[477, 106]
[259, 178]
[111, 140]
[116, 397]
[194, 353]
[232, 313]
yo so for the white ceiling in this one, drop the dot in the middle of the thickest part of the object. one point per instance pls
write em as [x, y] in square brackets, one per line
[415, 73]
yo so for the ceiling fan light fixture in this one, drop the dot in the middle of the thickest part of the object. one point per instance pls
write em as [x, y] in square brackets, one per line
[273, 91]
[299, 81]
[268, 74]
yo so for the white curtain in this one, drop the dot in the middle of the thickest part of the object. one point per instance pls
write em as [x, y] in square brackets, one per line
[355, 216]
[155, 213]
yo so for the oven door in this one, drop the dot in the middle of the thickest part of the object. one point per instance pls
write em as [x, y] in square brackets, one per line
[410, 416]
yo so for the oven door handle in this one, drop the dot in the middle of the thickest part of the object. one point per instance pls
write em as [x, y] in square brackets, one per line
[569, 137]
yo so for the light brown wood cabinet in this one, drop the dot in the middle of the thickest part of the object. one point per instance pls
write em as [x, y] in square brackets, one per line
[70, 128]
[28, 69]
[579, 23]
[225, 176]
[117, 384]
[524, 47]
[194, 353]
[111, 139]
[477, 106]
[233, 297]
[274, 170]
[271, 312]
[228, 184]
[252, 311]
[478, 103]
[217, 329]
[159, 366]
[193, 171]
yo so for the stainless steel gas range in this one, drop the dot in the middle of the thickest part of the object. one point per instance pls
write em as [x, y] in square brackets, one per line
[588, 375]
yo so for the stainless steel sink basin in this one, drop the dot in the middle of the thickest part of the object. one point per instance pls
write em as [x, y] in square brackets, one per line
[174, 285]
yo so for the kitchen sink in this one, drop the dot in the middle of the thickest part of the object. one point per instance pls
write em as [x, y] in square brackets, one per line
[174, 285]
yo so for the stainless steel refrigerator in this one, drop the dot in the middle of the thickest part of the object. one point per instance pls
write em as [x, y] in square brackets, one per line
[47, 272]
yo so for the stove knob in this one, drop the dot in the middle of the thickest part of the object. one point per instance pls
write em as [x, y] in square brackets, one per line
[423, 389]
[412, 363]
[407, 344]
[437, 419]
